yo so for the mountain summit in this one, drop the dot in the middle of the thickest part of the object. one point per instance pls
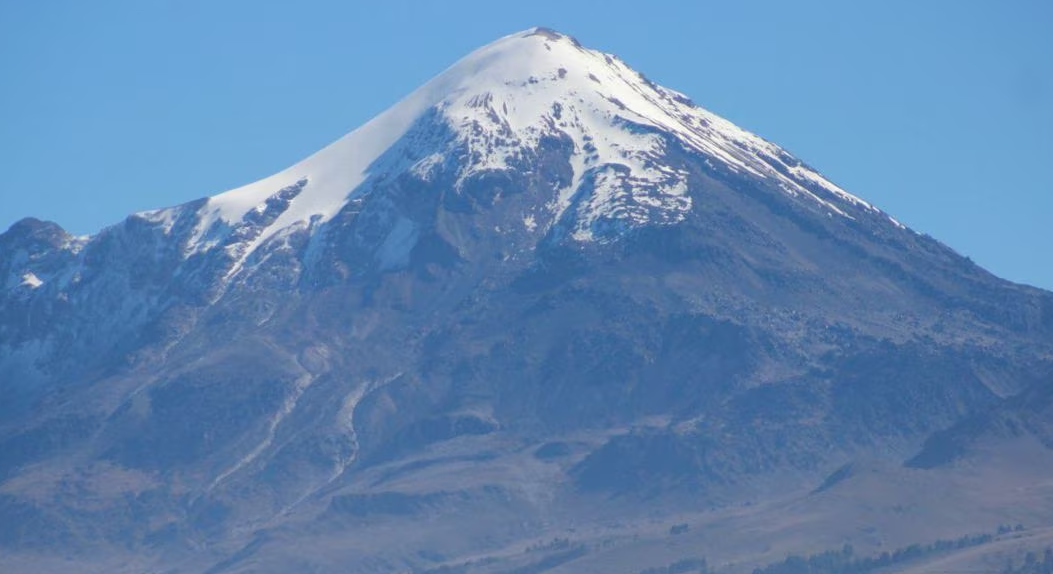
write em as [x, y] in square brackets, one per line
[540, 303]
[494, 108]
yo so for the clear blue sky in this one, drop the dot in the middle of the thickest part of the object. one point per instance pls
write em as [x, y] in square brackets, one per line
[940, 112]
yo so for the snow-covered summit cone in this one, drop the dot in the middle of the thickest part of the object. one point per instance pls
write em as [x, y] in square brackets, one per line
[497, 105]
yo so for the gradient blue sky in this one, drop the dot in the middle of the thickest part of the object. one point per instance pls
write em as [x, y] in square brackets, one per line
[940, 112]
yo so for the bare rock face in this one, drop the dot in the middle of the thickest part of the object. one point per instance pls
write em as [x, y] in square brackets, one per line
[1026, 417]
[539, 283]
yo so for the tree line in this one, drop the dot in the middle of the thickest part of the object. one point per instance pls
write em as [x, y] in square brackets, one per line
[844, 561]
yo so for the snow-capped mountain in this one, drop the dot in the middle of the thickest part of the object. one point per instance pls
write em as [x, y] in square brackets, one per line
[539, 279]
[494, 108]
[489, 116]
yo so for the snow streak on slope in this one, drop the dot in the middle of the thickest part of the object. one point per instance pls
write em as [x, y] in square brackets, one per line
[500, 101]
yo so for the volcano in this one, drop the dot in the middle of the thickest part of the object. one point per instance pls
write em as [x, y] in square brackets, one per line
[537, 316]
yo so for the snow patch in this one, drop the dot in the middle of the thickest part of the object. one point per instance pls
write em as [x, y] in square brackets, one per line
[30, 279]
[163, 218]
